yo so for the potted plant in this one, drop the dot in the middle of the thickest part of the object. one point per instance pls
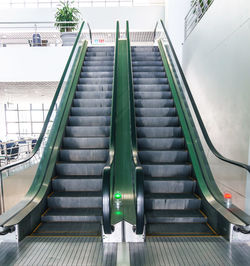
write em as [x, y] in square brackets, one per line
[66, 13]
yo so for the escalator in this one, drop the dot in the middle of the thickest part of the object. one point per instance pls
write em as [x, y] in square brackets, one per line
[172, 205]
[75, 201]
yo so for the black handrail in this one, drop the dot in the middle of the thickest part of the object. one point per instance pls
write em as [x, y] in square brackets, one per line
[197, 113]
[139, 179]
[107, 187]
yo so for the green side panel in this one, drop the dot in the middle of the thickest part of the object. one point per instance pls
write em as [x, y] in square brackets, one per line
[123, 169]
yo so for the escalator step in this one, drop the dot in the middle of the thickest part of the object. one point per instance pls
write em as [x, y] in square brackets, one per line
[160, 132]
[150, 81]
[95, 81]
[101, 49]
[74, 199]
[92, 87]
[101, 131]
[153, 95]
[97, 53]
[89, 74]
[170, 170]
[89, 121]
[98, 58]
[156, 103]
[184, 229]
[151, 88]
[93, 95]
[160, 143]
[158, 74]
[148, 69]
[73, 215]
[92, 103]
[168, 185]
[98, 63]
[163, 156]
[171, 201]
[92, 155]
[79, 168]
[97, 69]
[175, 216]
[89, 111]
[145, 57]
[68, 229]
[157, 121]
[77, 183]
[147, 63]
[85, 143]
[155, 112]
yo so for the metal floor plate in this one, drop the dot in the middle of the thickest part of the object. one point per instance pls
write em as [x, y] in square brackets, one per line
[58, 251]
[189, 251]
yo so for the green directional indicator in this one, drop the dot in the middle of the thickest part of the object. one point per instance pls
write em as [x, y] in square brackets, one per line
[118, 195]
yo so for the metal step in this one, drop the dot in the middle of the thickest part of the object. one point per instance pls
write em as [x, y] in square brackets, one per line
[77, 199]
[85, 143]
[156, 103]
[157, 121]
[167, 170]
[169, 185]
[93, 95]
[155, 112]
[153, 95]
[148, 69]
[182, 229]
[92, 103]
[77, 183]
[87, 155]
[171, 201]
[101, 131]
[150, 80]
[98, 63]
[161, 132]
[88, 121]
[160, 143]
[73, 215]
[68, 229]
[147, 63]
[95, 81]
[90, 111]
[151, 88]
[97, 53]
[97, 69]
[98, 58]
[63, 168]
[88, 74]
[163, 156]
[175, 216]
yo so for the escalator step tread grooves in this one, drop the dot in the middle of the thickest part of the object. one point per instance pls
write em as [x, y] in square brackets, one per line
[171, 205]
[75, 202]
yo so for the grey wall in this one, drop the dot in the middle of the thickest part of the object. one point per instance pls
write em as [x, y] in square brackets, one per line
[216, 62]
[175, 14]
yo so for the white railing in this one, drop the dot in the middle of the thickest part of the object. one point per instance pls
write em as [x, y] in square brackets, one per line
[198, 9]
[11, 151]
[34, 33]
[78, 3]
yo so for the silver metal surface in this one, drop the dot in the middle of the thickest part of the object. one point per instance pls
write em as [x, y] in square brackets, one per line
[198, 9]
[58, 251]
[188, 251]
[123, 258]
[123, 233]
